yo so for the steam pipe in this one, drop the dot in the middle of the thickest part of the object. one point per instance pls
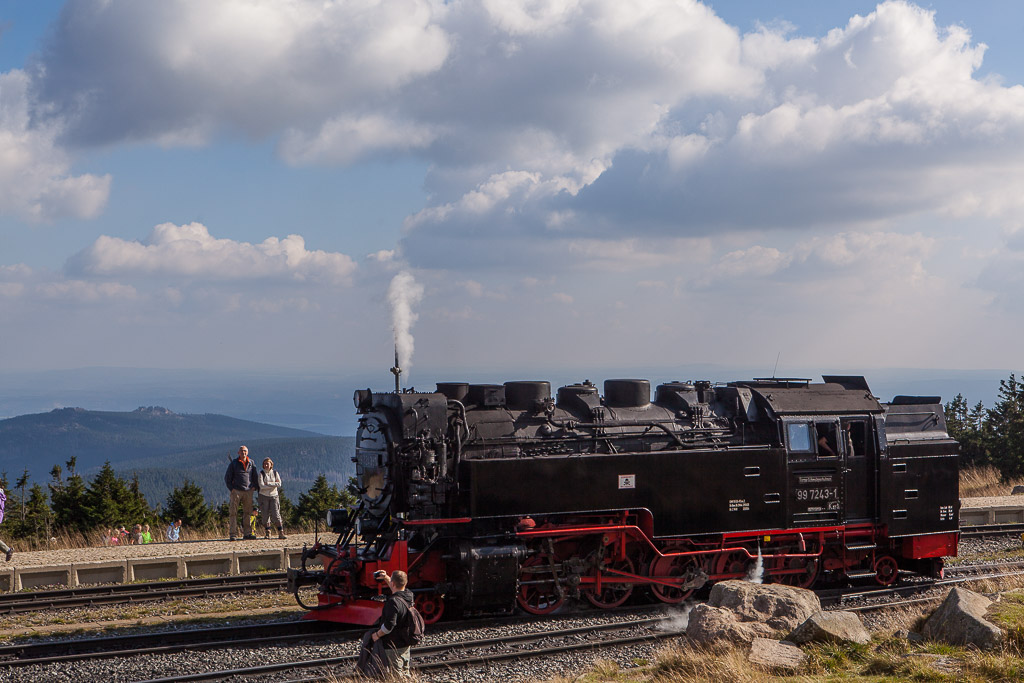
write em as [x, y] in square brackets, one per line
[397, 371]
[619, 423]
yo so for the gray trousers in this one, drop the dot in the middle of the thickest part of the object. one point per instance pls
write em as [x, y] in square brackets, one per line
[270, 509]
[4, 547]
[378, 661]
[246, 498]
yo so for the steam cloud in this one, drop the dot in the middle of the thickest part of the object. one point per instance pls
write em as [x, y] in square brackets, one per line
[756, 573]
[676, 621]
[404, 293]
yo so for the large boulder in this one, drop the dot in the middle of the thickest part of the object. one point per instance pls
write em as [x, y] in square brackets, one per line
[709, 624]
[831, 627]
[779, 606]
[960, 620]
[775, 655]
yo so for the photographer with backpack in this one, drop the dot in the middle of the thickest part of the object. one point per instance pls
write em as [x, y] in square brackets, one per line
[385, 649]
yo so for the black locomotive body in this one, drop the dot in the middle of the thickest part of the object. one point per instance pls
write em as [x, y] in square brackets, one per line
[495, 495]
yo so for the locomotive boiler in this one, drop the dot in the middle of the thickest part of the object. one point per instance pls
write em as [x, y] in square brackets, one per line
[498, 496]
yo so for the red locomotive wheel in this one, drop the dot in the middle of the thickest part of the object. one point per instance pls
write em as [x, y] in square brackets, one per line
[672, 567]
[613, 593]
[430, 606]
[734, 562]
[538, 590]
[804, 578]
[886, 570]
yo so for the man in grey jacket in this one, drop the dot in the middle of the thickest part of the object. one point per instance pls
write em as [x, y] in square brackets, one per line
[241, 480]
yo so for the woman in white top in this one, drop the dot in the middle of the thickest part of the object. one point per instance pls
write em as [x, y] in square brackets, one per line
[270, 504]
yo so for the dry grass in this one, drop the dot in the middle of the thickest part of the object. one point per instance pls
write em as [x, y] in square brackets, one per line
[65, 540]
[889, 657]
[977, 482]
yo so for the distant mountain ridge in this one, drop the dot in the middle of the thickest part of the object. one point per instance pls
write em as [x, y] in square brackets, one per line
[40, 441]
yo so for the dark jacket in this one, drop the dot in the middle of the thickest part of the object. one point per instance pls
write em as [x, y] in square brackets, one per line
[395, 614]
[239, 476]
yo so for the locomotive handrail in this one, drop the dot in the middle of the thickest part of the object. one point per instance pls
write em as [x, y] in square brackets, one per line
[572, 531]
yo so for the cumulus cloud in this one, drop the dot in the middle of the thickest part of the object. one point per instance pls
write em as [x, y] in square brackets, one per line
[877, 121]
[586, 131]
[189, 251]
[35, 180]
[181, 70]
[85, 291]
[874, 260]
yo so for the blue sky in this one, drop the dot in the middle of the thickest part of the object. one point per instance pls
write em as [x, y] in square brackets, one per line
[605, 184]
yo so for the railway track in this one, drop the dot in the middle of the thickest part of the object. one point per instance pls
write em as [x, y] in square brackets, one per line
[163, 642]
[117, 594]
[468, 652]
[640, 628]
[992, 530]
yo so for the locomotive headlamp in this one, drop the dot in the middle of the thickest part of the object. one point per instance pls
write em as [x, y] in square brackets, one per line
[363, 400]
[336, 519]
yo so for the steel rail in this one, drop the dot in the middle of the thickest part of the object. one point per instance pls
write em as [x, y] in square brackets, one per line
[13, 603]
[165, 641]
[448, 648]
[991, 529]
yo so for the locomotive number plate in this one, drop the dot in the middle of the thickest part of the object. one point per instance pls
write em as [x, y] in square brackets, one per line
[627, 481]
[825, 493]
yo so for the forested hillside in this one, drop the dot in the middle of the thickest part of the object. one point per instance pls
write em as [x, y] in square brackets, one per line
[39, 441]
[299, 460]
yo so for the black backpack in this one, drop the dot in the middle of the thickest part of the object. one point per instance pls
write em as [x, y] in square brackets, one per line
[412, 629]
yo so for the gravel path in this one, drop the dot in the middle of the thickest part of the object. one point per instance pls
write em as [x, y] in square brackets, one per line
[42, 558]
[992, 502]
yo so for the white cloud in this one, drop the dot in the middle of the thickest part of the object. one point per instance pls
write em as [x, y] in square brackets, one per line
[85, 291]
[35, 180]
[562, 298]
[181, 70]
[190, 251]
[346, 139]
[852, 261]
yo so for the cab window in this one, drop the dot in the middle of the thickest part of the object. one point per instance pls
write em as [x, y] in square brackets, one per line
[798, 437]
[827, 437]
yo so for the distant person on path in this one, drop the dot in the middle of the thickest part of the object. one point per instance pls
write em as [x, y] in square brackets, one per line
[122, 535]
[174, 531]
[270, 503]
[381, 654]
[137, 534]
[254, 519]
[147, 537]
[240, 478]
[4, 548]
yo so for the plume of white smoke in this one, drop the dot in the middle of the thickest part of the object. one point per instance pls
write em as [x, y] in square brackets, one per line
[404, 293]
[756, 573]
[676, 621]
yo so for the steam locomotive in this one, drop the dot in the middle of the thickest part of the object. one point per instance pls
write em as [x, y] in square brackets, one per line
[498, 496]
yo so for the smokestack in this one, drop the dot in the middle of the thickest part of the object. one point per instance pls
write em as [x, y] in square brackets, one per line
[397, 371]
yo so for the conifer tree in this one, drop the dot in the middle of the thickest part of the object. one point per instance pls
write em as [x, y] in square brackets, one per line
[103, 498]
[315, 503]
[968, 427]
[287, 507]
[186, 503]
[67, 499]
[22, 484]
[38, 515]
[1004, 433]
